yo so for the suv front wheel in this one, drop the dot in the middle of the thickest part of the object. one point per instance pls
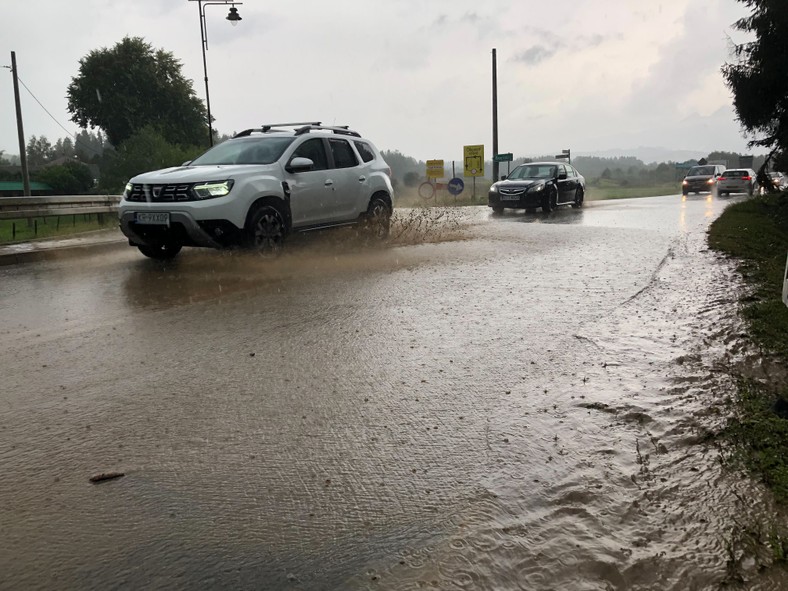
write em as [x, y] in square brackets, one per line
[266, 229]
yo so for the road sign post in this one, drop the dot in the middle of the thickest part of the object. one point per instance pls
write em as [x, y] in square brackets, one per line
[565, 154]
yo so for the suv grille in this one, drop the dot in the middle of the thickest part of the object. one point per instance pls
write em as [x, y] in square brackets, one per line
[161, 193]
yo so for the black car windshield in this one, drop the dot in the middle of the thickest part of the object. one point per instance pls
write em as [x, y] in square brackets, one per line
[701, 171]
[249, 150]
[533, 171]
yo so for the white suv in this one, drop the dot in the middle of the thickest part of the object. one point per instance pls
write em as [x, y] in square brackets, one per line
[255, 188]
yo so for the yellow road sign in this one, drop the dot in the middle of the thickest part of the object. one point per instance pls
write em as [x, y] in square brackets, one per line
[434, 169]
[473, 158]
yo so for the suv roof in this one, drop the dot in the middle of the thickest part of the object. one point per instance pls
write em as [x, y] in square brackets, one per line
[298, 129]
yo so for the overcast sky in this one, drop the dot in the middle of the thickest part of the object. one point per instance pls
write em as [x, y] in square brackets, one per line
[410, 75]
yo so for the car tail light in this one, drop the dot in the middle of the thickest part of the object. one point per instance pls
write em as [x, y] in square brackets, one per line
[746, 178]
[722, 178]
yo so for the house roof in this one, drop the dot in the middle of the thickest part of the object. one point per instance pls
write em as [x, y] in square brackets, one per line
[19, 186]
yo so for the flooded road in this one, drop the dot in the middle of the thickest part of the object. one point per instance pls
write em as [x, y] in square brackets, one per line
[491, 402]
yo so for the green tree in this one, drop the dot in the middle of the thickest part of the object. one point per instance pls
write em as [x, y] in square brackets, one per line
[411, 178]
[39, 151]
[64, 148]
[401, 164]
[144, 151]
[71, 178]
[89, 146]
[129, 86]
[758, 76]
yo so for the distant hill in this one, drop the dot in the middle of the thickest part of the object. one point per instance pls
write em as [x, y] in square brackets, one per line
[648, 154]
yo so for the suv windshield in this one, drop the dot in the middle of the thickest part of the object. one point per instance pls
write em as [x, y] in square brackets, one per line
[251, 150]
[533, 171]
[701, 171]
[736, 173]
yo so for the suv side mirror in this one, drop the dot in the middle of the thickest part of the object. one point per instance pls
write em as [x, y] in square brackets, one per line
[299, 164]
[562, 176]
[503, 177]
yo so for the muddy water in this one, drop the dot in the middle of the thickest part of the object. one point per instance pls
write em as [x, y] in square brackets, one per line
[513, 402]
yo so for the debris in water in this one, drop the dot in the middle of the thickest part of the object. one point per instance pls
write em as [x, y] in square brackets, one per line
[106, 476]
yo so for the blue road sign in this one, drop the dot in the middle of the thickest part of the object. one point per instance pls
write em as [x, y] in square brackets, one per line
[456, 186]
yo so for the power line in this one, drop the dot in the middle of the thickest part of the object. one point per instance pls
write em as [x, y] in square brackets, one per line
[76, 140]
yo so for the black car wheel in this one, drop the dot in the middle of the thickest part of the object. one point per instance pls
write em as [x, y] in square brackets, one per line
[550, 201]
[578, 198]
[266, 230]
[378, 218]
[161, 252]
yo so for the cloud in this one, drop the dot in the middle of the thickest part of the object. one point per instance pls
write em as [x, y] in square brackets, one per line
[536, 54]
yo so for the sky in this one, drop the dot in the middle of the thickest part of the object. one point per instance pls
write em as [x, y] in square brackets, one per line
[411, 75]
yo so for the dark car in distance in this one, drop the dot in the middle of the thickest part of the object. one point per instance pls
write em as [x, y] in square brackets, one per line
[538, 184]
[701, 179]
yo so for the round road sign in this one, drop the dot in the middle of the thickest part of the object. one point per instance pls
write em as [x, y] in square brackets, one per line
[456, 186]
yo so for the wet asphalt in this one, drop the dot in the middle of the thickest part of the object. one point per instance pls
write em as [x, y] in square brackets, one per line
[522, 401]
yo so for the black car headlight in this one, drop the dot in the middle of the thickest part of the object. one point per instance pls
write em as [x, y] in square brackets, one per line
[212, 189]
[536, 188]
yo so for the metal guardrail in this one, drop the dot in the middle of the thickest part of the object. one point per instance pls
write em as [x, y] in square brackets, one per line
[15, 208]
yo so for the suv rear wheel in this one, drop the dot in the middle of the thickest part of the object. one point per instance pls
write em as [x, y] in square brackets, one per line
[378, 218]
[266, 229]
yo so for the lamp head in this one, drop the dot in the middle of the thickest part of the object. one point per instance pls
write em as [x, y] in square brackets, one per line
[233, 16]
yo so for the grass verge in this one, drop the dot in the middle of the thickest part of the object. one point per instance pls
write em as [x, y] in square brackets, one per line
[24, 230]
[602, 190]
[756, 232]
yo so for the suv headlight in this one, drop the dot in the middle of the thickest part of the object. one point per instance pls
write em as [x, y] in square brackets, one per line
[127, 191]
[212, 189]
[536, 188]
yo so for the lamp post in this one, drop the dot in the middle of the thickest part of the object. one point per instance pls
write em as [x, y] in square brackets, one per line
[234, 19]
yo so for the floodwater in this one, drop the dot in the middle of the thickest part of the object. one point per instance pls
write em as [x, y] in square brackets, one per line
[488, 402]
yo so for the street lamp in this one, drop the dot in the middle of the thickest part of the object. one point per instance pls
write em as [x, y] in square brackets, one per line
[234, 19]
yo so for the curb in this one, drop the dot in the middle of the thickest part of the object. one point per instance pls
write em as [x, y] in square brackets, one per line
[57, 252]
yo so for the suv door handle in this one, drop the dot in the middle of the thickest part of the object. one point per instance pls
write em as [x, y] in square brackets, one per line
[329, 182]
[361, 179]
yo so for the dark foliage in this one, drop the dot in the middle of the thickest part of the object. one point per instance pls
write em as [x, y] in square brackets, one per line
[759, 76]
[124, 88]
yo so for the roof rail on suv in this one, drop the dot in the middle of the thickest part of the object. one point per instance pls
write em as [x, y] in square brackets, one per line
[273, 127]
[339, 129]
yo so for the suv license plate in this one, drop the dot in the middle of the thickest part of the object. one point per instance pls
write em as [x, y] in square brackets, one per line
[162, 219]
[510, 197]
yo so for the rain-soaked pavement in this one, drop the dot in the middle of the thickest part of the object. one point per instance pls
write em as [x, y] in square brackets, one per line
[513, 402]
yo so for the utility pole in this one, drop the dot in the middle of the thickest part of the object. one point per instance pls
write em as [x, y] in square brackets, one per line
[494, 116]
[20, 130]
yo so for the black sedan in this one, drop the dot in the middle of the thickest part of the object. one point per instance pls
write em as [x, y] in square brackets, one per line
[538, 184]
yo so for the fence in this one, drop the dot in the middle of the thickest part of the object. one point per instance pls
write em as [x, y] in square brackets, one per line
[32, 209]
